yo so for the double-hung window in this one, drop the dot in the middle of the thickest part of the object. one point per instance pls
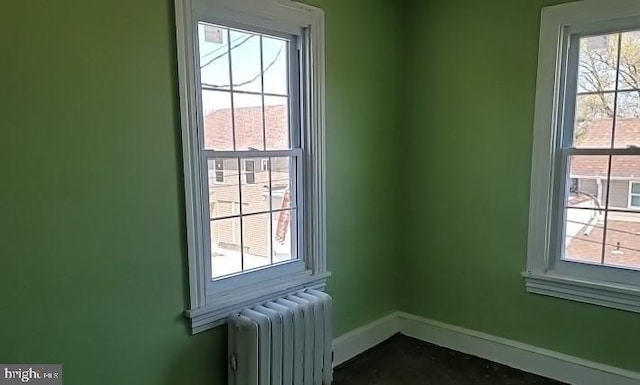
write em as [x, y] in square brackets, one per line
[584, 226]
[251, 90]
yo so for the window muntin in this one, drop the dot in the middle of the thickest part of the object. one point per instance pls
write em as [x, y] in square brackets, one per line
[248, 84]
[599, 144]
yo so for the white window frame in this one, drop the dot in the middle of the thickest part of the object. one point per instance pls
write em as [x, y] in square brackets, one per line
[632, 194]
[546, 273]
[212, 301]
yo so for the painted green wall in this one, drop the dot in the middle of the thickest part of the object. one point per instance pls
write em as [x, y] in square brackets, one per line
[471, 91]
[92, 237]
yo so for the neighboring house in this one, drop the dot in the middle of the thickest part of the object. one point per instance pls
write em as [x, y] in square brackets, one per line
[259, 193]
[589, 187]
[589, 173]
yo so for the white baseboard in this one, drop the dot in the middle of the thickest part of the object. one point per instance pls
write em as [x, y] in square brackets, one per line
[532, 359]
[364, 338]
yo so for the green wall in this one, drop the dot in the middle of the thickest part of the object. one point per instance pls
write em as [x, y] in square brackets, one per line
[92, 236]
[470, 90]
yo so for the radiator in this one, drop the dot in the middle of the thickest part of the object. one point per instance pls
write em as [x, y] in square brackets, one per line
[282, 342]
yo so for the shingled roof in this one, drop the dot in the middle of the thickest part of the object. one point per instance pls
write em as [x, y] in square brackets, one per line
[248, 128]
[597, 134]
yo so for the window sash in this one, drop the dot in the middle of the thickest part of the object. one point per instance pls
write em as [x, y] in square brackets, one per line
[298, 243]
[295, 67]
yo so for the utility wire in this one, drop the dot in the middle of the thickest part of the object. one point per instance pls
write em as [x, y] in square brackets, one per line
[602, 227]
[219, 48]
[604, 244]
[244, 83]
[228, 51]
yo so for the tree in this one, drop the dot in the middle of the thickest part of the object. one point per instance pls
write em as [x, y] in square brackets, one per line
[597, 75]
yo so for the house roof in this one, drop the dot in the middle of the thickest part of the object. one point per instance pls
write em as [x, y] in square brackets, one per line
[597, 134]
[248, 128]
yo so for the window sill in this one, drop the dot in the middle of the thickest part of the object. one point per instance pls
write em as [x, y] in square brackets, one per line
[607, 294]
[219, 307]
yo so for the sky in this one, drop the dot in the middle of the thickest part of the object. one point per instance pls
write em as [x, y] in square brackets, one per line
[245, 59]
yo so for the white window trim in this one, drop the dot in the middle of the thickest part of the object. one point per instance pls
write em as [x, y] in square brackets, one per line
[599, 285]
[208, 310]
[632, 194]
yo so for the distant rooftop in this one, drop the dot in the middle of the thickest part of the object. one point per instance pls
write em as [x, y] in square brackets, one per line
[248, 128]
[597, 134]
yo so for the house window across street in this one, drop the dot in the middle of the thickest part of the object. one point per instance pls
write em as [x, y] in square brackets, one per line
[634, 195]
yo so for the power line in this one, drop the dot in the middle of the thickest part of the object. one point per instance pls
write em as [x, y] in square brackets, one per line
[264, 71]
[219, 48]
[605, 244]
[602, 227]
[228, 51]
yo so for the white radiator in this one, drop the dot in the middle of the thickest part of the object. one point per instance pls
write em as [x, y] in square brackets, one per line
[283, 342]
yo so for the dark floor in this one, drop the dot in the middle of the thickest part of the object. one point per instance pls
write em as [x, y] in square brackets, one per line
[407, 361]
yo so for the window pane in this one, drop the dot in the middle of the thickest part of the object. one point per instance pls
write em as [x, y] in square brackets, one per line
[214, 55]
[223, 195]
[623, 168]
[628, 105]
[218, 129]
[285, 235]
[590, 177]
[226, 257]
[627, 129]
[255, 187]
[629, 60]
[597, 63]
[257, 248]
[593, 121]
[247, 115]
[274, 55]
[583, 235]
[622, 243]
[282, 175]
[635, 201]
[245, 61]
[277, 122]
[635, 188]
